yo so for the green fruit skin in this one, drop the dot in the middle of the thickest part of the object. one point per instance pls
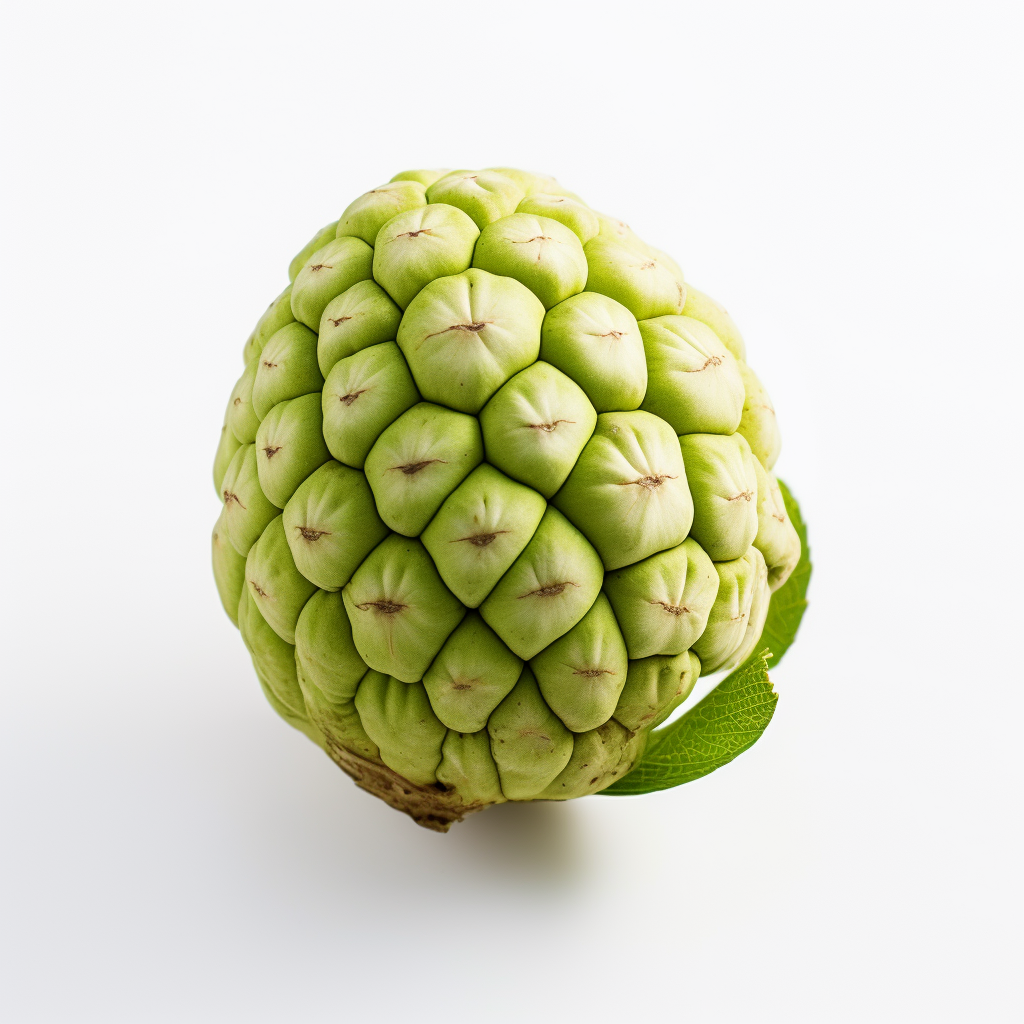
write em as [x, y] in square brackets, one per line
[497, 488]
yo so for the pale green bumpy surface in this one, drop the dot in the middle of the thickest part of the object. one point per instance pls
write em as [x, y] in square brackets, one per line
[497, 488]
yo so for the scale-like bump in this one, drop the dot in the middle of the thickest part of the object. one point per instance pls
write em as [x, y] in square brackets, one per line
[480, 531]
[464, 336]
[582, 673]
[418, 461]
[627, 492]
[289, 446]
[548, 589]
[722, 479]
[331, 525]
[401, 611]
[730, 614]
[694, 381]
[535, 427]
[327, 273]
[663, 602]
[363, 395]
[471, 675]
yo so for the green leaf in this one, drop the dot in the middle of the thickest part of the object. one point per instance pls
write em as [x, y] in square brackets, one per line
[732, 716]
[727, 721]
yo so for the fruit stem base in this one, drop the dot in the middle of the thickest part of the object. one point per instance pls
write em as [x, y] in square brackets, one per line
[430, 806]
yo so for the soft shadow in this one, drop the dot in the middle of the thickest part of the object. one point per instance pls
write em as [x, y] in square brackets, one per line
[541, 841]
[297, 807]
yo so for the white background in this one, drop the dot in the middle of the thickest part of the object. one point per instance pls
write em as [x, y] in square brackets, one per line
[844, 176]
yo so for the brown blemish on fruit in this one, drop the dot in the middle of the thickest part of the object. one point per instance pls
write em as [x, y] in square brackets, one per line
[321, 266]
[547, 427]
[479, 540]
[271, 452]
[548, 590]
[308, 533]
[742, 496]
[672, 609]
[269, 365]
[426, 805]
[710, 361]
[412, 468]
[259, 590]
[230, 496]
[339, 321]
[464, 684]
[383, 605]
[651, 482]
[611, 334]
[592, 673]
[415, 234]
[238, 401]
[475, 328]
[352, 396]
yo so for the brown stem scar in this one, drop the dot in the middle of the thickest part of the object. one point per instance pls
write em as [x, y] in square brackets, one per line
[383, 605]
[468, 328]
[308, 533]
[548, 590]
[479, 540]
[651, 482]
[710, 361]
[547, 427]
[411, 468]
[426, 805]
[672, 609]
